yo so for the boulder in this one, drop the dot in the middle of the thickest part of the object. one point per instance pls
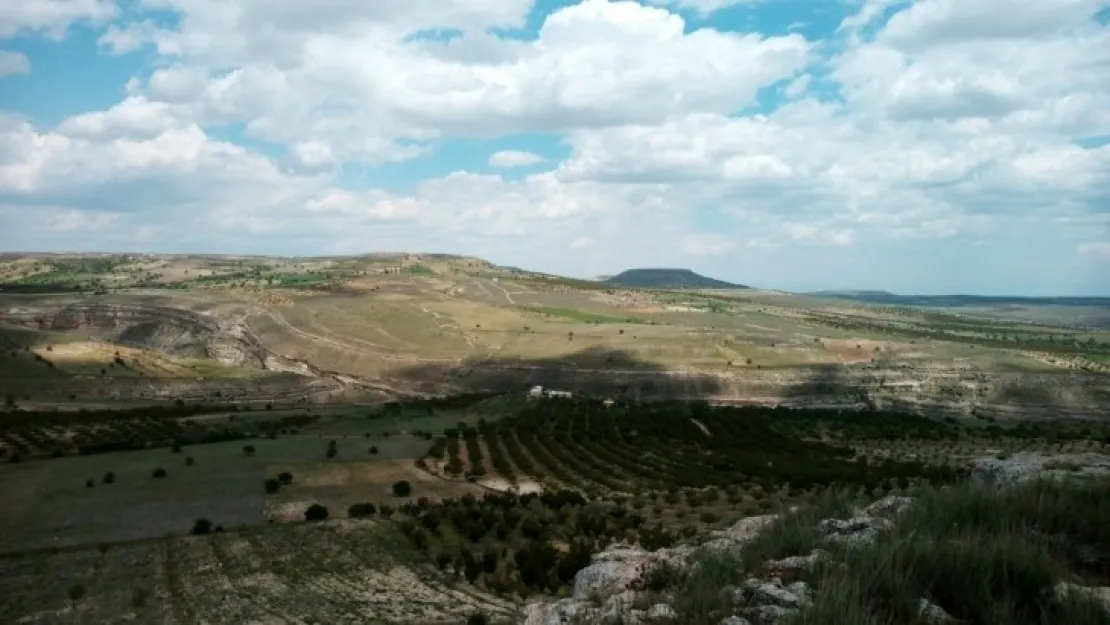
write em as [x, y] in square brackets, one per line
[1025, 466]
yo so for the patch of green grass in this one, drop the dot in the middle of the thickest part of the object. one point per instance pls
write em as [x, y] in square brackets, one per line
[982, 555]
[581, 316]
[419, 270]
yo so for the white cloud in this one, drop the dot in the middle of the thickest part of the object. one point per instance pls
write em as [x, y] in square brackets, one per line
[13, 63]
[52, 17]
[1095, 249]
[948, 129]
[705, 244]
[506, 159]
[704, 7]
[350, 76]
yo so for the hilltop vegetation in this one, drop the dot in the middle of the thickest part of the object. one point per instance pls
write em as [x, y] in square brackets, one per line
[667, 279]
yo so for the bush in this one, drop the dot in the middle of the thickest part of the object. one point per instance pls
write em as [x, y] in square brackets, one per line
[373, 449]
[248, 450]
[478, 618]
[316, 512]
[272, 486]
[176, 448]
[159, 473]
[358, 510]
[109, 478]
[202, 526]
[89, 483]
[189, 461]
[402, 488]
[285, 477]
[332, 452]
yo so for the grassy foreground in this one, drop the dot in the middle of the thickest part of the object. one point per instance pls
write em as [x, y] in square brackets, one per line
[984, 556]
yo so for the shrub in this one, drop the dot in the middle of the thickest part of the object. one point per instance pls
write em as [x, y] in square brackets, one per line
[189, 461]
[373, 449]
[402, 488]
[285, 477]
[358, 510]
[202, 526]
[109, 478]
[89, 483]
[159, 473]
[176, 448]
[478, 618]
[248, 450]
[332, 451]
[272, 486]
[316, 512]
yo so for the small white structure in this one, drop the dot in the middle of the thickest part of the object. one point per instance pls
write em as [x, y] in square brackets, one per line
[537, 392]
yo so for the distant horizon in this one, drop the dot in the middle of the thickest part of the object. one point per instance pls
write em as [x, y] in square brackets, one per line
[589, 277]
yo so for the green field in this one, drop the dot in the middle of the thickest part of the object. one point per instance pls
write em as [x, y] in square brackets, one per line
[50, 505]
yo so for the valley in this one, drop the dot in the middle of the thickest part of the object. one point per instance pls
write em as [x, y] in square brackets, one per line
[203, 439]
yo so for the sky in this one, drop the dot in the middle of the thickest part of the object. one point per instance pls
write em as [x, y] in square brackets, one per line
[928, 146]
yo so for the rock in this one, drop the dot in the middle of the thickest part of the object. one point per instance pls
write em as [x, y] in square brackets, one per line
[800, 590]
[744, 531]
[1022, 467]
[610, 571]
[932, 613]
[1099, 594]
[853, 532]
[795, 564]
[734, 620]
[769, 593]
[662, 611]
[770, 614]
[889, 507]
[560, 613]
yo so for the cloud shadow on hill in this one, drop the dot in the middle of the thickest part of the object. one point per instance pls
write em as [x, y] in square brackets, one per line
[591, 371]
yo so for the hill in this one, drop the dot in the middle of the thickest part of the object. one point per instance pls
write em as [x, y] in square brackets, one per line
[956, 301]
[668, 279]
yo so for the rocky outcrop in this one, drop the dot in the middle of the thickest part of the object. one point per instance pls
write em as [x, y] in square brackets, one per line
[1022, 467]
[175, 331]
[613, 587]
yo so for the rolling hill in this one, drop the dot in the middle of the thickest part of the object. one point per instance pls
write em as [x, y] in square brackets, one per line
[668, 279]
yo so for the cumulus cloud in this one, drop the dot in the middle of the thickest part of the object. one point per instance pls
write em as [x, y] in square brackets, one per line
[52, 17]
[919, 124]
[13, 63]
[506, 159]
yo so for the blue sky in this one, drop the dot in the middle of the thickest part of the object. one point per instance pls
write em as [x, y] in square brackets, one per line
[923, 146]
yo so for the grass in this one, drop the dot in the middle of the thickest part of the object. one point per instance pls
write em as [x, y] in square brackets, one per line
[982, 555]
[581, 316]
[50, 506]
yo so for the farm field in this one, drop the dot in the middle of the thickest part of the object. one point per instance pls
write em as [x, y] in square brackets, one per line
[336, 572]
[51, 505]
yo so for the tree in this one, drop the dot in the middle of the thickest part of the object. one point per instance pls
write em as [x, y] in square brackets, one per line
[189, 461]
[176, 448]
[272, 486]
[285, 477]
[332, 451]
[109, 478]
[316, 512]
[248, 450]
[402, 488]
[202, 526]
[374, 449]
[77, 592]
[159, 473]
[358, 510]
[89, 483]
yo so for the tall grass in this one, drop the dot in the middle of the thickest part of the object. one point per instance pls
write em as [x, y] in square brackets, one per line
[983, 555]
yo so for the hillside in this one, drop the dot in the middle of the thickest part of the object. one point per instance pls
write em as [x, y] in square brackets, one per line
[668, 279]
